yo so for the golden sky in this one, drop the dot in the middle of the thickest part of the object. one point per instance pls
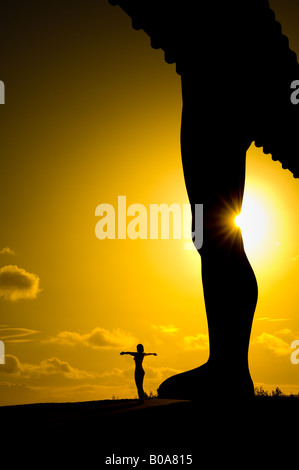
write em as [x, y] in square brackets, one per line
[92, 113]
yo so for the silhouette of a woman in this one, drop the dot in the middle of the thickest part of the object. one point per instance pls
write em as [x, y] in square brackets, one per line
[139, 371]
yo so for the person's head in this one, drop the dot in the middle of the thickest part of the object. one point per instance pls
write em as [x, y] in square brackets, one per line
[140, 348]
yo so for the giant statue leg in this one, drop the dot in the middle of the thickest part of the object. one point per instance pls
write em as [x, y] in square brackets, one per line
[214, 168]
[236, 68]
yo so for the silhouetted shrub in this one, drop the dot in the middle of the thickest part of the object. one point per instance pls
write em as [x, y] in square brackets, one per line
[260, 392]
[277, 393]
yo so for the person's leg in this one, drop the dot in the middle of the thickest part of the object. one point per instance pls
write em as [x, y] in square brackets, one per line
[141, 384]
[139, 376]
[229, 284]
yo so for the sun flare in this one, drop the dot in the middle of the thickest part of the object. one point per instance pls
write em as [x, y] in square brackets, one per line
[252, 221]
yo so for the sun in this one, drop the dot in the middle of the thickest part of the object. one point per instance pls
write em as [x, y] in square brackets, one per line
[253, 221]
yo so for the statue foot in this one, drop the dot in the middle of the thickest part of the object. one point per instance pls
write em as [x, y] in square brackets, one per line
[206, 382]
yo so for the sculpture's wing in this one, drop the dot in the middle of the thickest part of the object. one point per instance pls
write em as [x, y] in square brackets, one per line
[229, 40]
[276, 119]
[160, 19]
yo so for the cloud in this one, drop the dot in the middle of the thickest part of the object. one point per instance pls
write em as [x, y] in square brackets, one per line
[124, 378]
[168, 330]
[7, 251]
[116, 372]
[12, 365]
[15, 335]
[196, 343]
[285, 332]
[273, 343]
[51, 366]
[54, 365]
[16, 283]
[296, 258]
[271, 319]
[160, 374]
[98, 338]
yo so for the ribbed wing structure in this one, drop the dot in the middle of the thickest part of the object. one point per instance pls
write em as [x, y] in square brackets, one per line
[229, 40]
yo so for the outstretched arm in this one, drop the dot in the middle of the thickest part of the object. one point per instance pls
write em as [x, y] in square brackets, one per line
[150, 354]
[127, 352]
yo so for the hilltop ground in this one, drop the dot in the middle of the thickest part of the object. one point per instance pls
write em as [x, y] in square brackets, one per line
[212, 433]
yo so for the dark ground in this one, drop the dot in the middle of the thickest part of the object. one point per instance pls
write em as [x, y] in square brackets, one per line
[222, 432]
